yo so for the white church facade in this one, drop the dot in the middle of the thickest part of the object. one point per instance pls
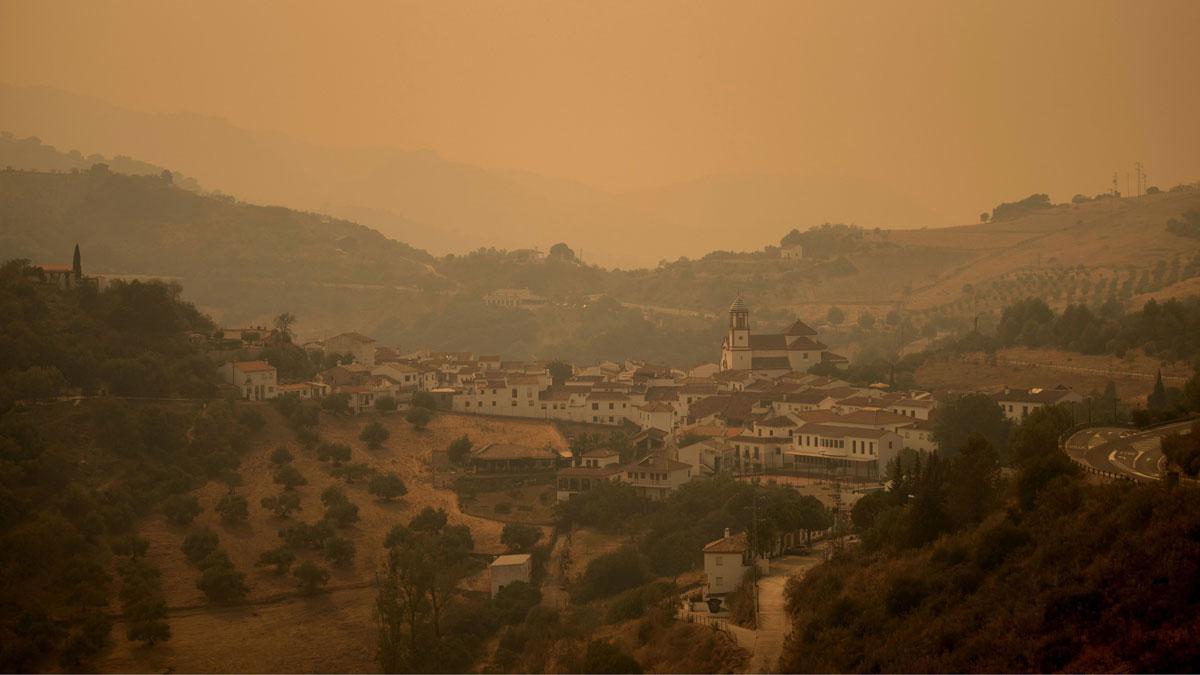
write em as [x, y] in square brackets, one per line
[795, 349]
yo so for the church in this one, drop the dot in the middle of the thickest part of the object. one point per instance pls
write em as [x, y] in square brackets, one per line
[795, 349]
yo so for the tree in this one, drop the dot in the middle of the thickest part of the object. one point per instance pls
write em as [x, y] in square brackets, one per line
[603, 656]
[975, 413]
[387, 487]
[419, 417]
[459, 449]
[337, 404]
[199, 544]
[428, 520]
[289, 477]
[280, 558]
[283, 504]
[519, 537]
[337, 452]
[339, 552]
[984, 217]
[374, 434]
[352, 472]
[181, 509]
[386, 405]
[283, 324]
[835, 316]
[866, 320]
[77, 265]
[610, 574]
[148, 630]
[561, 251]
[341, 514]
[311, 576]
[560, 371]
[233, 509]
[222, 584]
[281, 455]
[1157, 399]
[974, 485]
[424, 399]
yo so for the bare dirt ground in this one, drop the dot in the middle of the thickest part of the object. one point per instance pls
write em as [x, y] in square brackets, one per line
[331, 632]
[1020, 367]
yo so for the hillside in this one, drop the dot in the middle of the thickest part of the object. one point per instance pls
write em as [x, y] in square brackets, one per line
[451, 207]
[145, 225]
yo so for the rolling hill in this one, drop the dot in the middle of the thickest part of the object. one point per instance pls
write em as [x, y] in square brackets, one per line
[446, 206]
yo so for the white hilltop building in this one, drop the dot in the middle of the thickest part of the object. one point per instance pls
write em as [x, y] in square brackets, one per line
[795, 349]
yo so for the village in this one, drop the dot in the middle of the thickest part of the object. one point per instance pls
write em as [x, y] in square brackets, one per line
[755, 414]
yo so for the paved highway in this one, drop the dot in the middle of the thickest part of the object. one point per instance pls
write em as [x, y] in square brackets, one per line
[1121, 451]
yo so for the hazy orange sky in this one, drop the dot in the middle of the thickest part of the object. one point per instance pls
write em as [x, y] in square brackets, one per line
[956, 103]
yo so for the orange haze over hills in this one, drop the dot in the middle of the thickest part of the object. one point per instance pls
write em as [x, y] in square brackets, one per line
[661, 125]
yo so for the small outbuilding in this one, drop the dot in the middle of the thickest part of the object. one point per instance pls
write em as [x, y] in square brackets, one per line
[506, 569]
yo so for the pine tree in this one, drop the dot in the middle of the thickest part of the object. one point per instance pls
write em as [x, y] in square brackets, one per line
[1157, 400]
[77, 265]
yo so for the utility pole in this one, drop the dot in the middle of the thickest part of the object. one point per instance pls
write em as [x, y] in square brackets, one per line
[1116, 191]
[1140, 178]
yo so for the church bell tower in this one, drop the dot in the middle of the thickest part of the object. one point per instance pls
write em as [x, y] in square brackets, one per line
[735, 353]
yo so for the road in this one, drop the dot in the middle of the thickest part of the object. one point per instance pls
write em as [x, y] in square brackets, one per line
[773, 622]
[1125, 452]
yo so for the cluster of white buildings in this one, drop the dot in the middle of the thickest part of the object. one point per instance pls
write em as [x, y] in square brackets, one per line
[757, 410]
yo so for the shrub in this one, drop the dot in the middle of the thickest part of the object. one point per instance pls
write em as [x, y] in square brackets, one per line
[419, 417]
[338, 452]
[311, 576]
[386, 404]
[199, 544]
[387, 487]
[610, 574]
[374, 434]
[459, 449]
[339, 552]
[281, 455]
[233, 509]
[289, 477]
[519, 537]
[181, 509]
[283, 504]
[280, 558]
[604, 657]
[222, 584]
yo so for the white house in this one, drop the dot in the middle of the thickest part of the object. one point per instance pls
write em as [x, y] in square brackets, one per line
[506, 569]
[792, 252]
[656, 475]
[514, 298]
[851, 451]
[257, 380]
[726, 562]
[1020, 403]
[705, 457]
[657, 415]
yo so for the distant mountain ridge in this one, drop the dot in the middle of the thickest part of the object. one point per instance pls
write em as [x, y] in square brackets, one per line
[446, 206]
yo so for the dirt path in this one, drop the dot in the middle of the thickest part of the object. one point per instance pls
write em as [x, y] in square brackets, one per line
[773, 623]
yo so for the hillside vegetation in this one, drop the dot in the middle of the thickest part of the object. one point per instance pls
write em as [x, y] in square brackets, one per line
[963, 571]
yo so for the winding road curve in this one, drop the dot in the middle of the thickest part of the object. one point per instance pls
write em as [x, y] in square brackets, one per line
[1122, 452]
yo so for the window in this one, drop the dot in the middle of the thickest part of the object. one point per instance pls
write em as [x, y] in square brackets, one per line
[720, 580]
[610, 406]
[595, 406]
[720, 561]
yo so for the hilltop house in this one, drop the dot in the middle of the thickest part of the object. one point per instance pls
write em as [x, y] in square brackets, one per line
[506, 569]
[656, 475]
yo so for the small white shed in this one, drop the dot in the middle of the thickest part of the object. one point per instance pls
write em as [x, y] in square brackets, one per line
[509, 568]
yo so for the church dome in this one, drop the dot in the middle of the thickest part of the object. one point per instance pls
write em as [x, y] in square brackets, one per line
[738, 305]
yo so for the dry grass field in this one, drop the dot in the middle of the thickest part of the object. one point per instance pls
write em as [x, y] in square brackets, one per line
[277, 630]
